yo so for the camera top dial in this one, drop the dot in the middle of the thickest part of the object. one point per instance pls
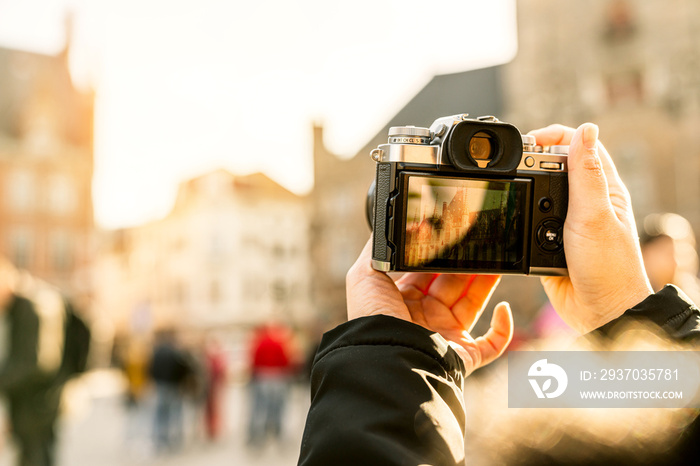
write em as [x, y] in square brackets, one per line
[409, 135]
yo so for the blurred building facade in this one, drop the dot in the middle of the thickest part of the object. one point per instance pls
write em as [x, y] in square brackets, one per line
[339, 228]
[632, 67]
[46, 167]
[232, 252]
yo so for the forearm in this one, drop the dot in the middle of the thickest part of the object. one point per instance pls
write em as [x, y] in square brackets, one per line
[384, 391]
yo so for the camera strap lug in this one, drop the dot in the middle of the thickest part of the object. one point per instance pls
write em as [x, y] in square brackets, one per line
[376, 154]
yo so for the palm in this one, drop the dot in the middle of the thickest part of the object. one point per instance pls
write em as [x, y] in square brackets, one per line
[449, 304]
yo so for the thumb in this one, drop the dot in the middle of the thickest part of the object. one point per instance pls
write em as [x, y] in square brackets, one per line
[495, 341]
[589, 197]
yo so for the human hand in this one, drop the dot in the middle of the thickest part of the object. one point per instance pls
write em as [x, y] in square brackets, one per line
[449, 304]
[606, 271]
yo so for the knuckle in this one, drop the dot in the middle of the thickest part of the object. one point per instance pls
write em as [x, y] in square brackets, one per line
[619, 196]
[591, 162]
[561, 128]
[351, 275]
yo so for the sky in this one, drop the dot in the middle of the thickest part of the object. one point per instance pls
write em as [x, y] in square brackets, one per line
[187, 86]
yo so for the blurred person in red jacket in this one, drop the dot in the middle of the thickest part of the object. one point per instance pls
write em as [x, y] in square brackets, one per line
[271, 374]
[215, 363]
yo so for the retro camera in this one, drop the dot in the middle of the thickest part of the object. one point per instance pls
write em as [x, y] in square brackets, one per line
[468, 196]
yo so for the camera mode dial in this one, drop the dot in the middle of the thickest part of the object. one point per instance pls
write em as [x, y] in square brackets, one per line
[409, 135]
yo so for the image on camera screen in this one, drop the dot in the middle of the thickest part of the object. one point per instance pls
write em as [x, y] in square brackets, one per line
[457, 223]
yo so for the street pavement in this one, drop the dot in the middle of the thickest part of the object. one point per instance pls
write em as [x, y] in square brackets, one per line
[99, 430]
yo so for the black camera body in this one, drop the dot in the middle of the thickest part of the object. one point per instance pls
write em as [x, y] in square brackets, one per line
[468, 196]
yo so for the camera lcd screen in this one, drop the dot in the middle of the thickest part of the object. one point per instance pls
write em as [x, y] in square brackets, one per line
[464, 224]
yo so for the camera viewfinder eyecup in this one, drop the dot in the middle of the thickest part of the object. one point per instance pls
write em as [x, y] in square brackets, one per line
[505, 141]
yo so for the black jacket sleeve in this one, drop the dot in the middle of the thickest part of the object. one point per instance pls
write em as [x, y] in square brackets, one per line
[387, 392]
[670, 309]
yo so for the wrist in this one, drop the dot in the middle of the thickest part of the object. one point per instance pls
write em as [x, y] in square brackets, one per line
[629, 297]
[669, 309]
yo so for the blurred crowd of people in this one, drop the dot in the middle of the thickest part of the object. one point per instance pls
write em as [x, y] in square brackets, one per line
[165, 375]
[176, 370]
[171, 371]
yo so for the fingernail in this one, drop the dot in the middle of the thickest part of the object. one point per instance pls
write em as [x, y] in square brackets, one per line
[590, 136]
[504, 304]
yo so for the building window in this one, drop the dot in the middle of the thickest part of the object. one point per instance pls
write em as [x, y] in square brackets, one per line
[61, 250]
[278, 252]
[21, 241]
[21, 189]
[279, 291]
[179, 293]
[61, 195]
[214, 292]
[217, 247]
[253, 288]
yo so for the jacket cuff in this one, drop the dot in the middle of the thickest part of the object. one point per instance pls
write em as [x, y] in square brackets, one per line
[385, 330]
[670, 309]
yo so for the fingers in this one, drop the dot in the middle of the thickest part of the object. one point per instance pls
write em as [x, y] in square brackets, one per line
[580, 155]
[421, 281]
[563, 135]
[495, 341]
[553, 135]
[608, 166]
[589, 196]
[619, 195]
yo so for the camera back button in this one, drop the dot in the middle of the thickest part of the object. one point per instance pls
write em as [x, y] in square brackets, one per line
[550, 235]
[545, 204]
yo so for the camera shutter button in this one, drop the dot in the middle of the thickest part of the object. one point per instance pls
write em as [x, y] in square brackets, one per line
[529, 161]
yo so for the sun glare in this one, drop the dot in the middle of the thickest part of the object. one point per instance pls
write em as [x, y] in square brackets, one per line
[184, 88]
